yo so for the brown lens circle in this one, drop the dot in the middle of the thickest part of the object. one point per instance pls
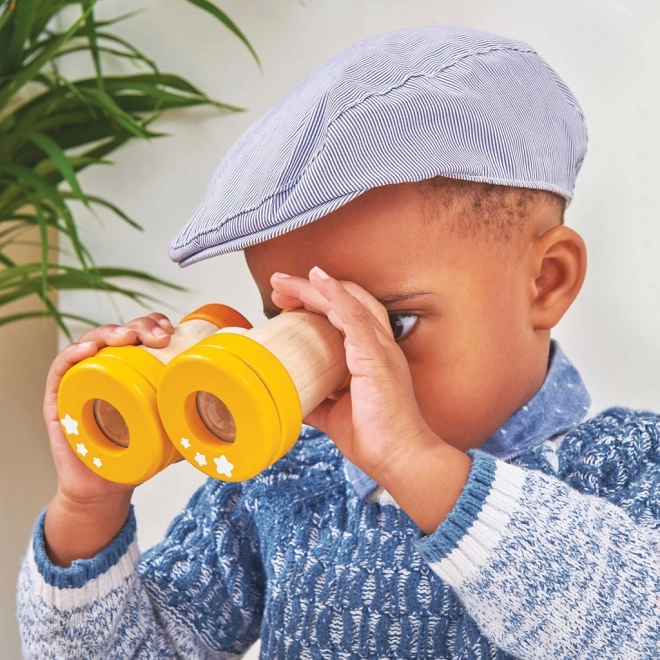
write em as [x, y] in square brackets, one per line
[216, 416]
[111, 423]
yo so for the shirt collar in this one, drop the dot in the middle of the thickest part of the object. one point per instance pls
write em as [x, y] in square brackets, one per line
[560, 403]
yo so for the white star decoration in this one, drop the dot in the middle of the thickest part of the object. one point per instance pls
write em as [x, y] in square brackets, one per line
[81, 449]
[97, 461]
[70, 425]
[223, 466]
[200, 458]
[185, 443]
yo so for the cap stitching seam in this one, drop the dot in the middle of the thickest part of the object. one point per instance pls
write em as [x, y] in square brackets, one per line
[238, 238]
[540, 185]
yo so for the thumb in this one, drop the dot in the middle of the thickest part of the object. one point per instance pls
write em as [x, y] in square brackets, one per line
[318, 418]
[334, 418]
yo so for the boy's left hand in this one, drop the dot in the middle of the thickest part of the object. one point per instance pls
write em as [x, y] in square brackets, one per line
[379, 420]
[378, 425]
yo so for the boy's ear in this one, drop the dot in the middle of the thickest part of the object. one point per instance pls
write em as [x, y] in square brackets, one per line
[559, 265]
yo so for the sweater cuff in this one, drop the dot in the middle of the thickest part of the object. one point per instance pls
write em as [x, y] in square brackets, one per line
[463, 543]
[85, 579]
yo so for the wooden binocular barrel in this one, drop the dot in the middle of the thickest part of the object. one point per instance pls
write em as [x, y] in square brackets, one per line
[227, 397]
[233, 403]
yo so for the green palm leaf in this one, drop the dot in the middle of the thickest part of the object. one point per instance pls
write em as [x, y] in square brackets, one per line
[4, 320]
[62, 126]
[61, 161]
[12, 84]
[227, 22]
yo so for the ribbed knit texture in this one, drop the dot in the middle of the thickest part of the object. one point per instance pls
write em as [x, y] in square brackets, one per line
[80, 573]
[554, 555]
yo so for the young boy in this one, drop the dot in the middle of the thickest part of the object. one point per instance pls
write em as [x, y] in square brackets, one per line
[452, 503]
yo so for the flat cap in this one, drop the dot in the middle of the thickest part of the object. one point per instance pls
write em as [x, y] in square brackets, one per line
[402, 106]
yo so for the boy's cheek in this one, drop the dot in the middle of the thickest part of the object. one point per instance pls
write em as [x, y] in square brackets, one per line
[449, 390]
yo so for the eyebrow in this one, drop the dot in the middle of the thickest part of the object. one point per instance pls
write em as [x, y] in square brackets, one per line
[399, 297]
[383, 300]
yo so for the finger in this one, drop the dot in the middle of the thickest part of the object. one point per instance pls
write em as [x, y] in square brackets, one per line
[285, 302]
[149, 332]
[301, 293]
[322, 418]
[356, 321]
[146, 330]
[300, 289]
[312, 299]
[65, 359]
[162, 321]
[318, 418]
[289, 302]
[375, 308]
[110, 334]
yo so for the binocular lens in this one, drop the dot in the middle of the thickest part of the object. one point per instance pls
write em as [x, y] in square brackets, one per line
[216, 416]
[111, 423]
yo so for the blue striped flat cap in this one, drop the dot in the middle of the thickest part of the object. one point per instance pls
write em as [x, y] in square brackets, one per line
[402, 106]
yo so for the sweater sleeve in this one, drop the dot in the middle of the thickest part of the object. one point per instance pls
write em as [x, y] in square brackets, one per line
[546, 571]
[198, 594]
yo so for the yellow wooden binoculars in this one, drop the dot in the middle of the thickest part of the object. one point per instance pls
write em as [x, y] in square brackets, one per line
[227, 397]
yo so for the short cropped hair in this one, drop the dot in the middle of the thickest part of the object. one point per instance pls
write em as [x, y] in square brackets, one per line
[494, 212]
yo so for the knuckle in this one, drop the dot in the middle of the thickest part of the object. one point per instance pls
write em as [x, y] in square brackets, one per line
[108, 328]
[64, 355]
[360, 314]
[59, 367]
[157, 316]
[95, 334]
[141, 323]
[352, 287]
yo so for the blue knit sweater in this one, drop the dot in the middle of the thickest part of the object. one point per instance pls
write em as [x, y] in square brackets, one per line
[551, 553]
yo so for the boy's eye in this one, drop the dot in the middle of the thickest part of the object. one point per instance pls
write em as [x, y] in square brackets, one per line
[402, 324]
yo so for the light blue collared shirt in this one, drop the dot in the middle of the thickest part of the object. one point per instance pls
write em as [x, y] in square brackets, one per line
[560, 403]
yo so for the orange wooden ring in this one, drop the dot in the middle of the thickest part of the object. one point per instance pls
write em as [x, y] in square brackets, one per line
[221, 315]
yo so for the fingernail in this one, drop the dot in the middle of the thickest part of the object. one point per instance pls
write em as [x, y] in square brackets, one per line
[281, 275]
[321, 273]
[159, 332]
[122, 331]
[87, 344]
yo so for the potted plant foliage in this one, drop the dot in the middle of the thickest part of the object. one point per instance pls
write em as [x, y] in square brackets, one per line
[52, 127]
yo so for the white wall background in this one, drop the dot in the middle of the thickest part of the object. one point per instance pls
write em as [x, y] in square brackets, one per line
[606, 50]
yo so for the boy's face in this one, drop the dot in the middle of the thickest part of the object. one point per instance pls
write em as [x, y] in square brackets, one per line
[465, 323]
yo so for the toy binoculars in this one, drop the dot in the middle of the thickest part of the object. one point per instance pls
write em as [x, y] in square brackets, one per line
[227, 397]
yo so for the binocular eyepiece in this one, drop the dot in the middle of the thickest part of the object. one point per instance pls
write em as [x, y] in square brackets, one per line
[227, 397]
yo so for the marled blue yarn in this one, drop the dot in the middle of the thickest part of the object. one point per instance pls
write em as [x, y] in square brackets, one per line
[296, 557]
[614, 456]
[351, 584]
[205, 588]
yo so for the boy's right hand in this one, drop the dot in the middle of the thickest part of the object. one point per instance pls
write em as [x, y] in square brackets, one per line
[88, 511]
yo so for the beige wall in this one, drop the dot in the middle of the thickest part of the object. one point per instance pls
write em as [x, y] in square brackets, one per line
[27, 477]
